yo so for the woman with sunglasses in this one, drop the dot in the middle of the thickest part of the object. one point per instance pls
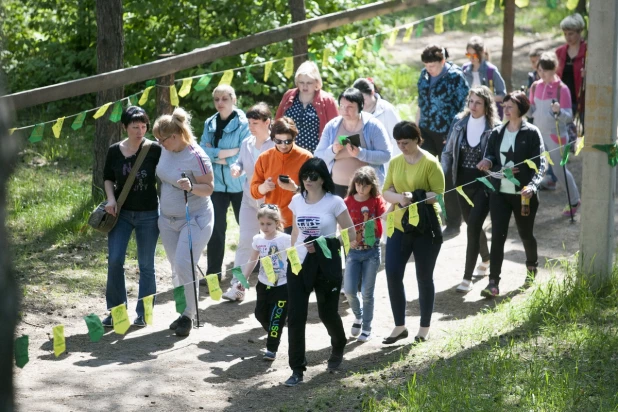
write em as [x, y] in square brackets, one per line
[480, 72]
[316, 213]
[275, 174]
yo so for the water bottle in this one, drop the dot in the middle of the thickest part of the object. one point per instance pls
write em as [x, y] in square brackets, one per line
[525, 204]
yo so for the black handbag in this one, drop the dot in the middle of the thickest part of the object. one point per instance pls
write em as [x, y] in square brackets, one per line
[101, 220]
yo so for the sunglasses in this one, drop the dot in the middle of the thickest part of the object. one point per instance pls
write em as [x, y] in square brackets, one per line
[285, 142]
[269, 206]
[312, 176]
[472, 55]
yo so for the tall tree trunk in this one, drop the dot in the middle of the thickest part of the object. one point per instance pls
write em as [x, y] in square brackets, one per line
[507, 43]
[9, 297]
[299, 44]
[110, 52]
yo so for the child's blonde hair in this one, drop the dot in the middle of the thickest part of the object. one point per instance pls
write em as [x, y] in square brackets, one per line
[271, 212]
[366, 175]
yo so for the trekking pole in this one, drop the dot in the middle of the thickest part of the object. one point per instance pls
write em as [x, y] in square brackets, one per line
[566, 182]
[197, 312]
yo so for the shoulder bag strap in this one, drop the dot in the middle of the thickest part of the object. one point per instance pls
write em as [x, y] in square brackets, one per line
[129, 183]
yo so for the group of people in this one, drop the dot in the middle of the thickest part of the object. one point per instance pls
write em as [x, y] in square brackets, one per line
[323, 166]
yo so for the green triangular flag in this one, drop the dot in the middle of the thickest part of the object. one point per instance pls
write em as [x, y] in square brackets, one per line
[441, 203]
[486, 183]
[37, 133]
[450, 21]
[341, 53]
[370, 232]
[322, 243]
[312, 57]
[79, 121]
[237, 272]
[552, 4]
[419, 29]
[377, 43]
[116, 112]
[133, 99]
[565, 154]
[508, 174]
[250, 77]
[475, 9]
[95, 327]
[21, 351]
[151, 82]
[179, 297]
[202, 83]
[611, 150]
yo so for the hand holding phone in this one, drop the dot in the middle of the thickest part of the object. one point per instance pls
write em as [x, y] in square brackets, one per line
[284, 178]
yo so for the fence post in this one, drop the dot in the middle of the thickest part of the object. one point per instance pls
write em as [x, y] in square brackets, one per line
[163, 104]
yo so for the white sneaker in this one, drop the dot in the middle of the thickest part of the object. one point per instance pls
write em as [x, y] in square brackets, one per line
[356, 328]
[465, 286]
[236, 292]
[481, 270]
[364, 337]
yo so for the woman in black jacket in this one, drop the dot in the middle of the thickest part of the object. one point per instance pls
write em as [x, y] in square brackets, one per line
[509, 145]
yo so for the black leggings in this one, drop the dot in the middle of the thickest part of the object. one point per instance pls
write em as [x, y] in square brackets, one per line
[474, 218]
[271, 309]
[501, 206]
[216, 245]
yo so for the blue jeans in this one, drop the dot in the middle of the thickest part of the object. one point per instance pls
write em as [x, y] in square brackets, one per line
[361, 267]
[146, 235]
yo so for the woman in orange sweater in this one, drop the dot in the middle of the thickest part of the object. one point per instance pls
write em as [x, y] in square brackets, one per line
[276, 170]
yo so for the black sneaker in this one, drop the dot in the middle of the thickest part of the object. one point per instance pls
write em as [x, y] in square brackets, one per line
[294, 380]
[185, 324]
[140, 321]
[491, 290]
[108, 322]
[335, 360]
[174, 324]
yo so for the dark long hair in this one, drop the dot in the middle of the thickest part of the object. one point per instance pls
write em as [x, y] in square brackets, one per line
[316, 165]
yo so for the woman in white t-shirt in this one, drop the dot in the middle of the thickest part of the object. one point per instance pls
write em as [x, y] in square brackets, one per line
[316, 213]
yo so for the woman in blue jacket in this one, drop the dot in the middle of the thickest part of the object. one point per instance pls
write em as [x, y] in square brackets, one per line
[223, 134]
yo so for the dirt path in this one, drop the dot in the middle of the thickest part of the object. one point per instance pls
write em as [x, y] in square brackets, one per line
[219, 367]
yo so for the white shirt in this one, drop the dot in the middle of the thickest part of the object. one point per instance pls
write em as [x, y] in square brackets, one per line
[476, 79]
[474, 130]
[275, 248]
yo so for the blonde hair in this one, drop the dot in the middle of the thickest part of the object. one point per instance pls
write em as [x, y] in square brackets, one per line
[225, 89]
[179, 122]
[311, 70]
[366, 175]
[271, 212]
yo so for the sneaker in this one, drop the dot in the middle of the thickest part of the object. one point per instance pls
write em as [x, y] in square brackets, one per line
[184, 326]
[174, 324]
[365, 336]
[236, 292]
[140, 321]
[356, 328]
[335, 360]
[108, 322]
[572, 210]
[269, 356]
[294, 380]
[481, 270]
[530, 276]
[491, 290]
[465, 286]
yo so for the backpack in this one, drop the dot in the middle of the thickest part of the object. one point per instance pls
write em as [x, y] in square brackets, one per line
[571, 126]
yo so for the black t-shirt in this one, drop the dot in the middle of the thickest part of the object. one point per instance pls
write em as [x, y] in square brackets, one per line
[568, 78]
[143, 195]
[221, 124]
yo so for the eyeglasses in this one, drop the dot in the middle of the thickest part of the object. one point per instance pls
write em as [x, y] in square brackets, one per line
[161, 141]
[285, 142]
[312, 176]
[472, 55]
[269, 206]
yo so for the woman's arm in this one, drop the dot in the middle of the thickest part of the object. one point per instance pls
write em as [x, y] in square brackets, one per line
[391, 196]
[447, 153]
[326, 149]
[111, 206]
[294, 235]
[203, 185]
[381, 151]
[251, 264]
[345, 221]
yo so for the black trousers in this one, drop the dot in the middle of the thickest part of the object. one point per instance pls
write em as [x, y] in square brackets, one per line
[327, 295]
[271, 310]
[501, 206]
[474, 218]
[216, 245]
[433, 143]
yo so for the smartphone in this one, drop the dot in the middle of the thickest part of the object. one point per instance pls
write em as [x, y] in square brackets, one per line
[354, 140]
[284, 178]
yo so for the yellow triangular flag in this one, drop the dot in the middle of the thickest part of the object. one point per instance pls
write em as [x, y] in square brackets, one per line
[572, 4]
[546, 154]
[464, 14]
[522, 3]
[102, 110]
[267, 264]
[393, 37]
[57, 128]
[294, 260]
[359, 48]
[213, 286]
[120, 319]
[408, 34]
[413, 217]
[465, 196]
[531, 165]
[390, 224]
[227, 77]
[11, 131]
[186, 87]
[59, 342]
[144, 98]
[174, 96]
[148, 302]
[325, 57]
[438, 25]
[489, 7]
[267, 68]
[288, 70]
[579, 146]
[345, 237]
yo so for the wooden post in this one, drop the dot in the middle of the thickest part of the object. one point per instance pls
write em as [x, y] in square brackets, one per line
[299, 44]
[508, 36]
[164, 106]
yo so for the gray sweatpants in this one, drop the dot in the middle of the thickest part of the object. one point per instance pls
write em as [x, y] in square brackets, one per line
[175, 238]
